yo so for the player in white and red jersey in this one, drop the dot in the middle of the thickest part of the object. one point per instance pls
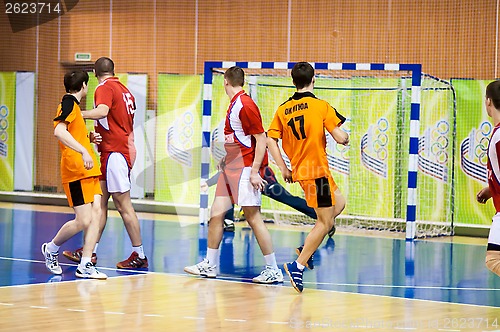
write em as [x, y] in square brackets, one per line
[492, 103]
[240, 182]
[114, 115]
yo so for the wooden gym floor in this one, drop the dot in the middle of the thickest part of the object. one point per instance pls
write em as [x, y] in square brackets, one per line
[359, 282]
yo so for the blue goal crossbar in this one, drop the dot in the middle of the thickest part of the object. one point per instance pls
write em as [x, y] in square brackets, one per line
[414, 69]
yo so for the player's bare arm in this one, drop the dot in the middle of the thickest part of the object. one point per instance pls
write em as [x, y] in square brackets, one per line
[63, 135]
[101, 111]
[483, 195]
[274, 150]
[260, 150]
[340, 136]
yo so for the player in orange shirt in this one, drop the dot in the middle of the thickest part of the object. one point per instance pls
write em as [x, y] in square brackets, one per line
[114, 114]
[80, 177]
[300, 123]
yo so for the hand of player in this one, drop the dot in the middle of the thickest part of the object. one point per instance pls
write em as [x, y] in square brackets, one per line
[222, 164]
[204, 186]
[340, 136]
[95, 137]
[88, 162]
[257, 182]
[483, 195]
[287, 175]
[345, 141]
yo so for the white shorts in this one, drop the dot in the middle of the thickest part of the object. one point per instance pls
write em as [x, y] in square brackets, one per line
[117, 174]
[494, 237]
[236, 184]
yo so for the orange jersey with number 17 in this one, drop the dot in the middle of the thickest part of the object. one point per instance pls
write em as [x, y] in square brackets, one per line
[300, 123]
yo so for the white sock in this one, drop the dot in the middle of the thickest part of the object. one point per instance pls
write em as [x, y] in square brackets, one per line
[300, 266]
[271, 260]
[52, 247]
[84, 261]
[212, 255]
[140, 251]
[95, 248]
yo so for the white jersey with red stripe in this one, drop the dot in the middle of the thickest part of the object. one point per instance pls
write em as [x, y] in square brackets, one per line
[494, 167]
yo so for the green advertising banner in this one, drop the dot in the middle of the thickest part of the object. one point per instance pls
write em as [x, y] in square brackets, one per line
[435, 152]
[178, 139]
[373, 147]
[473, 132]
[7, 121]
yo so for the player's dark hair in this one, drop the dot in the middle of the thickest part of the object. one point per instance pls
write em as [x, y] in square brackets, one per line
[302, 74]
[235, 76]
[73, 80]
[104, 66]
[493, 92]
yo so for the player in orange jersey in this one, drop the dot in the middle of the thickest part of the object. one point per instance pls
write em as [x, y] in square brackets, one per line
[80, 178]
[114, 115]
[300, 123]
[492, 103]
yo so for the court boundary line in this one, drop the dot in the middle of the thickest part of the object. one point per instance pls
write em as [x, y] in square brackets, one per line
[248, 282]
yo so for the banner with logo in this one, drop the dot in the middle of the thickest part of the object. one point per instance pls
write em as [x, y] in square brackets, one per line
[7, 121]
[434, 183]
[374, 147]
[474, 129]
[178, 139]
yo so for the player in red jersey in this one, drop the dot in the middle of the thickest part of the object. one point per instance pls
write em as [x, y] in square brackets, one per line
[492, 103]
[114, 115]
[240, 181]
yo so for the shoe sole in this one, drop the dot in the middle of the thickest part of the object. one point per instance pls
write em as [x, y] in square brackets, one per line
[82, 276]
[191, 272]
[55, 273]
[267, 282]
[291, 279]
[297, 251]
[132, 268]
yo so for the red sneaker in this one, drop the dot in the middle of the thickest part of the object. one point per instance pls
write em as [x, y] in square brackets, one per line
[133, 262]
[76, 256]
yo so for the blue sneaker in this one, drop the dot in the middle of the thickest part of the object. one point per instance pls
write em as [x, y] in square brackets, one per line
[295, 275]
[310, 261]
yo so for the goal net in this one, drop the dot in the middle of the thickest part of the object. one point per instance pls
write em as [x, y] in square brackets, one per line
[376, 172]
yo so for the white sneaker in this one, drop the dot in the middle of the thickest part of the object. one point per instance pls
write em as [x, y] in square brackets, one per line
[51, 260]
[203, 269]
[228, 225]
[89, 272]
[269, 276]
